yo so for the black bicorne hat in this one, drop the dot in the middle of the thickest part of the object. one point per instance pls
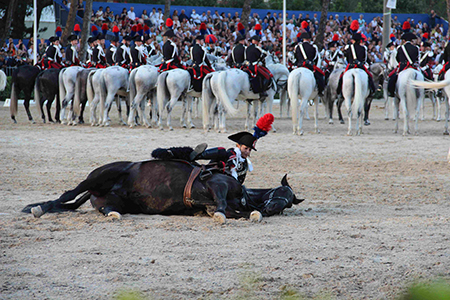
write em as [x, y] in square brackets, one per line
[127, 38]
[169, 33]
[244, 138]
[239, 38]
[199, 37]
[357, 36]
[425, 44]
[138, 38]
[91, 39]
[305, 35]
[256, 38]
[332, 44]
[409, 36]
[390, 44]
[53, 39]
[115, 39]
[100, 36]
[72, 37]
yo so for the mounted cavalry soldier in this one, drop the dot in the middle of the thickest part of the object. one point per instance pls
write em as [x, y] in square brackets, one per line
[111, 52]
[387, 53]
[150, 49]
[332, 56]
[122, 54]
[98, 55]
[445, 59]
[260, 76]
[170, 53]
[52, 57]
[407, 57]
[426, 60]
[137, 53]
[307, 56]
[235, 161]
[237, 56]
[89, 52]
[356, 55]
[201, 64]
[71, 52]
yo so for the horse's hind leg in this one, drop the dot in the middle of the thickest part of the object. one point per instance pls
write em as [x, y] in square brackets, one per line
[83, 107]
[339, 106]
[27, 106]
[109, 205]
[48, 106]
[367, 106]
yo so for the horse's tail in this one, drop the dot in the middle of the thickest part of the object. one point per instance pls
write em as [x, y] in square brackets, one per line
[37, 94]
[413, 93]
[207, 97]
[62, 88]
[293, 89]
[431, 84]
[77, 96]
[3, 80]
[358, 95]
[222, 94]
[90, 88]
[162, 92]
[132, 85]
[13, 107]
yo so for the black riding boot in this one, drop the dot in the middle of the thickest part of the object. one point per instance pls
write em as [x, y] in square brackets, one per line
[320, 82]
[339, 87]
[371, 86]
[216, 154]
[391, 85]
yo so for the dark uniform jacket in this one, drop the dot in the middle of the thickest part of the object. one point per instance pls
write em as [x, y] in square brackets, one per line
[170, 51]
[137, 57]
[253, 54]
[413, 53]
[111, 55]
[122, 57]
[98, 56]
[310, 51]
[425, 58]
[445, 56]
[72, 56]
[150, 50]
[355, 54]
[53, 54]
[237, 56]
[198, 56]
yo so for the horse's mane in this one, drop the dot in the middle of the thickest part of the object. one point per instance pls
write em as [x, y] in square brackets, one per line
[172, 153]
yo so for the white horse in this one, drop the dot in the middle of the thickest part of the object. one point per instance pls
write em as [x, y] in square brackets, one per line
[280, 77]
[355, 91]
[155, 59]
[95, 91]
[116, 83]
[409, 97]
[227, 86]
[67, 80]
[445, 85]
[173, 85]
[331, 96]
[302, 85]
[3, 81]
[142, 86]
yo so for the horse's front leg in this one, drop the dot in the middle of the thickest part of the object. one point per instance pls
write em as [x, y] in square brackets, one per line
[303, 107]
[316, 114]
[405, 116]
[386, 101]
[169, 115]
[395, 114]
[219, 191]
[183, 113]
[133, 107]
[190, 103]
[339, 106]
[447, 114]
[247, 119]
[144, 119]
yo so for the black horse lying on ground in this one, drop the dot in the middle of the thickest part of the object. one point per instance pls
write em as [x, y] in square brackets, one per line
[160, 186]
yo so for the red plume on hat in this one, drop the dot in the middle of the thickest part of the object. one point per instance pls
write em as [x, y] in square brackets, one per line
[258, 29]
[133, 30]
[335, 37]
[94, 30]
[146, 29]
[263, 125]
[406, 26]
[105, 28]
[392, 37]
[115, 30]
[58, 31]
[203, 29]
[241, 28]
[355, 25]
[426, 35]
[140, 29]
[169, 23]
[364, 37]
[77, 29]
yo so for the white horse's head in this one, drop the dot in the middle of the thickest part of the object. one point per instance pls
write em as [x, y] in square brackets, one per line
[392, 62]
[220, 64]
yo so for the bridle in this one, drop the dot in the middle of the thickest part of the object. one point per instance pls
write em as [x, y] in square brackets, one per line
[271, 196]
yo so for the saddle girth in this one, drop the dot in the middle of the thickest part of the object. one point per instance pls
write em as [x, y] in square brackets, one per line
[187, 200]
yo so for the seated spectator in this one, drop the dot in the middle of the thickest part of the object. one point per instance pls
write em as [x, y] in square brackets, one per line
[124, 13]
[361, 20]
[99, 14]
[183, 16]
[131, 14]
[11, 50]
[195, 17]
[80, 9]
[153, 16]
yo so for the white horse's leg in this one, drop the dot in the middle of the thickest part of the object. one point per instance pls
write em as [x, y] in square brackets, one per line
[247, 118]
[190, 103]
[133, 108]
[348, 103]
[447, 113]
[303, 107]
[183, 113]
[169, 114]
[405, 116]
[93, 107]
[395, 115]
[119, 110]
[417, 114]
[144, 119]
[438, 103]
[423, 111]
[316, 114]
[386, 100]
[108, 102]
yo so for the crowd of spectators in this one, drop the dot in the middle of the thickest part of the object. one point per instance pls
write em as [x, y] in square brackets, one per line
[226, 27]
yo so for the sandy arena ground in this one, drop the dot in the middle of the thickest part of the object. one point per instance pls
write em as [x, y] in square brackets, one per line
[376, 216]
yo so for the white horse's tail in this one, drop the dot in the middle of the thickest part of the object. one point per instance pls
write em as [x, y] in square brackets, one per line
[132, 85]
[359, 98]
[412, 93]
[207, 97]
[90, 88]
[431, 84]
[293, 89]
[223, 95]
[37, 95]
[162, 92]
[77, 96]
[3, 81]
[62, 89]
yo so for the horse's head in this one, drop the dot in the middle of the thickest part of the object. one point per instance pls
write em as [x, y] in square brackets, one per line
[280, 198]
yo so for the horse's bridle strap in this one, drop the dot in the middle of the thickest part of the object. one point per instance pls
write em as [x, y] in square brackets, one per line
[188, 188]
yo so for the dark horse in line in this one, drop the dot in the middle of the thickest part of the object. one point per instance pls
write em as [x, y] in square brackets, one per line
[46, 87]
[157, 187]
[22, 80]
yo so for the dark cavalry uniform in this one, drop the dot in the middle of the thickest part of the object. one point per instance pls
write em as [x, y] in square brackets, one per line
[237, 57]
[111, 55]
[98, 57]
[445, 58]
[426, 58]
[356, 56]
[201, 66]
[53, 58]
[72, 56]
[170, 56]
[137, 56]
[150, 50]
[407, 57]
[260, 76]
[307, 56]
[122, 57]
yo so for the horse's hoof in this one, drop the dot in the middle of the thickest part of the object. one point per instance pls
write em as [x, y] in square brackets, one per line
[342, 122]
[184, 126]
[170, 128]
[438, 120]
[330, 122]
[366, 123]
[387, 119]
[256, 216]
[192, 126]
[445, 133]
[317, 131]
[114, 215]
[37, 211]
[219, 217]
